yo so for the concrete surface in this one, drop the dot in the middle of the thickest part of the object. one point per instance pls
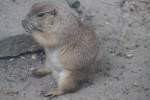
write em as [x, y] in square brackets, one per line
[123, 28]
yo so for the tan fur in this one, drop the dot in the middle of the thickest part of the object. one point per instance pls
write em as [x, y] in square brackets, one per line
[70, 46]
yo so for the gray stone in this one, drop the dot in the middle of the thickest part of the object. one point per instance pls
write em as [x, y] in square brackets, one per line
[16, 45]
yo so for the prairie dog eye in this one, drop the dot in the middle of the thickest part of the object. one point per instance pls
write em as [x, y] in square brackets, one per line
[41, 14]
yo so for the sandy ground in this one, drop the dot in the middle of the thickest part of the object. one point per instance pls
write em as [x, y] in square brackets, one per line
[123, 28]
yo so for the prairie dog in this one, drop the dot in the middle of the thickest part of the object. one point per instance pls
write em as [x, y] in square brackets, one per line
[70, 45]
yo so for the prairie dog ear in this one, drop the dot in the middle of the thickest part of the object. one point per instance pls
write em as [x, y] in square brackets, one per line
[42, 13]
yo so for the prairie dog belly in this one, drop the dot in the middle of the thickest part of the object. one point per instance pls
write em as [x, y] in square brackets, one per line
[53, 62]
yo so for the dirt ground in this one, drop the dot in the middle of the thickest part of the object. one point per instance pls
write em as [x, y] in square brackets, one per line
[123, 28]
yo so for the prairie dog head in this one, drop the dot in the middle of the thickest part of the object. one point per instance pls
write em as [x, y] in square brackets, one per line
[46, 22]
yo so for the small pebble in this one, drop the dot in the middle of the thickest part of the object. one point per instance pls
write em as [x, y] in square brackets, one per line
[146, 89]
[12, 59]
[31, 69]
[33, 57]
[129, 56]
[22, 57]
[66, 98]
[135, 84]
[106, 23]
[132, 47]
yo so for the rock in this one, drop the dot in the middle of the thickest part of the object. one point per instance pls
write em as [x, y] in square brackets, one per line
[132, 46]
[16, 45]
[34, 57]
[129, 55]
[135, 84]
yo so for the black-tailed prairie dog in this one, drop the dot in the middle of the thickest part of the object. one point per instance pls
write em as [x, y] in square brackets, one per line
[70, 45]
